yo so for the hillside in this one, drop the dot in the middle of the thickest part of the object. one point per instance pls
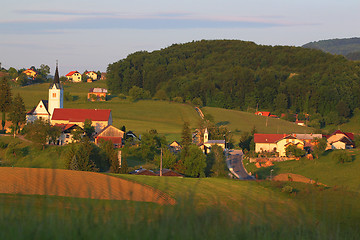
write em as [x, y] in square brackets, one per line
[241, 75]
[348, 47]
[237, 121]
[140, 116]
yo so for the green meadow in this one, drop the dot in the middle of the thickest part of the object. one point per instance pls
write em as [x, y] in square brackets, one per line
[325, 170]
[205, 209]
[245, 121]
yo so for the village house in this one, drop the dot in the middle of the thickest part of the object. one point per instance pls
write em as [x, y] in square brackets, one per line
[66, 135]
[340, 140]
[30, 73]
[175, 146]
[73, 76]
[110, 133]
[266, 114]
[92, 75]
[276, 143]
[97, 94]
[100, 118]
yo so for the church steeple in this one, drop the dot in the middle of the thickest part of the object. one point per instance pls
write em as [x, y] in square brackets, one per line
[56, 77]
[56, 93]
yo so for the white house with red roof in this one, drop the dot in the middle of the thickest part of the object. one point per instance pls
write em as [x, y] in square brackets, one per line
[73, 76]
[276, 142]
[100, 118]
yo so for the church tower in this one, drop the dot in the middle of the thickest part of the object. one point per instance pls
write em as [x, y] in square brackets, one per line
[206, 136]
[56, 93]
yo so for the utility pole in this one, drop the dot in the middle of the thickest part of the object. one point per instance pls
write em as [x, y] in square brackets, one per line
[161, 155]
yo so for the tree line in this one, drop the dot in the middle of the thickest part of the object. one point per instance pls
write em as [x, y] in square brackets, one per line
[241, 75]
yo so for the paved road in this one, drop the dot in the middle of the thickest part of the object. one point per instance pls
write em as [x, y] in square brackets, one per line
[234, 162]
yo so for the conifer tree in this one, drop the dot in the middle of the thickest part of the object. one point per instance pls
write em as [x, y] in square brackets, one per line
[5, 99]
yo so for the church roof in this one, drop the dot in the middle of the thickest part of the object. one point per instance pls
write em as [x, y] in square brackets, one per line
[80, 115]
[56, 80]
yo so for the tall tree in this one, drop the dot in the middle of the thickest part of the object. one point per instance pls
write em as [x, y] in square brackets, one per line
[5, 99]
[185, 140]
[89, 129]
[195, 162]
[17, 114]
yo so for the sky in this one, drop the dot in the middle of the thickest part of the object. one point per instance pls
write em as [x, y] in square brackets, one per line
[89, 35]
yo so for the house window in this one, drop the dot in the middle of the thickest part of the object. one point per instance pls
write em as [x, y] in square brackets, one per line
[67, 135]
[54, 95]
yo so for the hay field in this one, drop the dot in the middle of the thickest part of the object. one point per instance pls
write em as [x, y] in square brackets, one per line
[77, 184]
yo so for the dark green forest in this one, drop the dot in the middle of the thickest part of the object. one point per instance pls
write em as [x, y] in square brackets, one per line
[348, 47]
[241, 75]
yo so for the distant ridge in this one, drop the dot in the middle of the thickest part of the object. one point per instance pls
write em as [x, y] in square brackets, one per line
[348, 47]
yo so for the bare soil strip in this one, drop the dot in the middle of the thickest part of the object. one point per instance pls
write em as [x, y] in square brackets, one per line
[78, 184]
[294, 178]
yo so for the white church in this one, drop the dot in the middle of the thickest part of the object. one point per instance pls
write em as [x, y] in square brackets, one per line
[53, 111]
[45, 109]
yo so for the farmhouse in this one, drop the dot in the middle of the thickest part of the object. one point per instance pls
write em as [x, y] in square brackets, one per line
[110, 133]
[97, 94]
[74, 76]
[340, 140]
[276, 143]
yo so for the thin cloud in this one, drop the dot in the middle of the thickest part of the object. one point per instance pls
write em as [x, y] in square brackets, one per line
[113, 20]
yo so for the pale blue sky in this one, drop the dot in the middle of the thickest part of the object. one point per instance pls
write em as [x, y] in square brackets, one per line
[88, 34]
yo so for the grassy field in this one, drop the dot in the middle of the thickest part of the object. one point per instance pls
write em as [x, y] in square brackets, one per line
[20, 153]
[326, 170]
[244, 121]
[206, 208]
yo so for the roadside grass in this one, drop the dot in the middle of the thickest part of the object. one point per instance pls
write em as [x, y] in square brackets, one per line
[326, 170]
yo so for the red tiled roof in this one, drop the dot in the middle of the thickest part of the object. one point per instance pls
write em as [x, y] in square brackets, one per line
[80, 115]
[349, 135]
[268, 138]
[71, 73]
[65, 127]
[266, 114]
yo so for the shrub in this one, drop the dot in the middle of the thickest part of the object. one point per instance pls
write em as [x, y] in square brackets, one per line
[287, 189]
[342, 156]
[3, 145]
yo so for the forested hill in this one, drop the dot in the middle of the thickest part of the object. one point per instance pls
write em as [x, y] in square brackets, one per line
[237, 74]
[349, 47]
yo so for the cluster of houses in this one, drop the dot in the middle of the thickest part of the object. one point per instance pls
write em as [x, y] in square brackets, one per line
[68, 120]
[269, 114]
[75, 76]
[278, 143]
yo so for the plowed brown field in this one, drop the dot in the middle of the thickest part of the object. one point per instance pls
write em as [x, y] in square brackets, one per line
[78, 184]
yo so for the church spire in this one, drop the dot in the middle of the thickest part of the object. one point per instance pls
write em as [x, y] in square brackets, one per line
[56, 77]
